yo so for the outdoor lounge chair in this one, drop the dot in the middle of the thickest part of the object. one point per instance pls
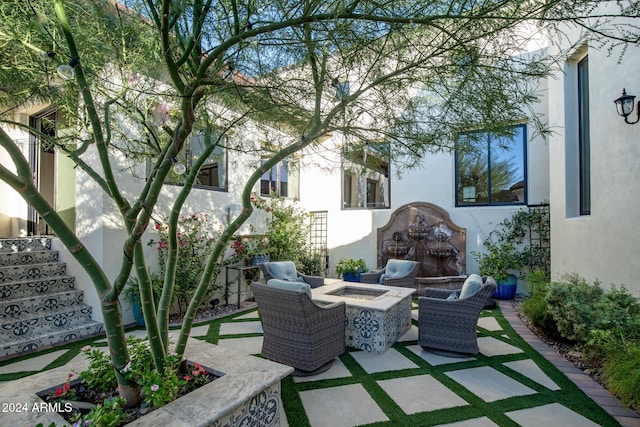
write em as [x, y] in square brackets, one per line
[397, 272]
[447, 324]
[286, 270]
[297, 331]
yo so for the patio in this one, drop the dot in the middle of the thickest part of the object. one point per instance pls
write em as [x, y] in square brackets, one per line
[510, 382]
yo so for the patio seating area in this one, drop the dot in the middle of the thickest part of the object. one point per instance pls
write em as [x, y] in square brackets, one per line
[513, 380]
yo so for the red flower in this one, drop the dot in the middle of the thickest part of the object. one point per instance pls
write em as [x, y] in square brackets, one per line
[59, 392]
[187, 378]
[158, 226]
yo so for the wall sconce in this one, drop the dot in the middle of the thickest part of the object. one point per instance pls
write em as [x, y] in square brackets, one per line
[66, 70]
[625, 105]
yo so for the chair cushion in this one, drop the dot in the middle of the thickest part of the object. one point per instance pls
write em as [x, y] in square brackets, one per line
[285, 270]
[398, 268]
[452, 296]
[471, 286]
[290, 286]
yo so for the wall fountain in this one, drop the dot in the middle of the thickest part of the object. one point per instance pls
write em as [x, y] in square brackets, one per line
[424, 232]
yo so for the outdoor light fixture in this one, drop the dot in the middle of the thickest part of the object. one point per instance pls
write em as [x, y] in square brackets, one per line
[46, 55]
[178, 167]
[625, 105]
[66, 70]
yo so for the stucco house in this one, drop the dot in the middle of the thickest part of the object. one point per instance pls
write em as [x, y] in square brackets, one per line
[586, 169]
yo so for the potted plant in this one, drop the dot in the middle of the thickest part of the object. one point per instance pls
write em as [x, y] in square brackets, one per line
[350, 269]
[498, 261]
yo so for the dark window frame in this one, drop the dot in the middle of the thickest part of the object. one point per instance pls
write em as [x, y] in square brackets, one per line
[584, 144]
[490, 190]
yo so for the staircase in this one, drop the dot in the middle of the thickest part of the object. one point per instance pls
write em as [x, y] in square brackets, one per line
[39, 306]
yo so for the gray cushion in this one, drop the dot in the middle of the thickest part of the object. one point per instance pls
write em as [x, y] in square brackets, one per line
[290, 286]
[471, 286]
[285, 270]
[453, 296]
[398, 268]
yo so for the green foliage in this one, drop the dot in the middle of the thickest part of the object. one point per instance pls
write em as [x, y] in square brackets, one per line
[519, 243]
[498, 260]
[100, 374]
[287, 229]
[350, 265]
[195, 240]
[622, 374]
[312, 264]
[535, 306]
[157, 388]
[579, 308]
[109, 414]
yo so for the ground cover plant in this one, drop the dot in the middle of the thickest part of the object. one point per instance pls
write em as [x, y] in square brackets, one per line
[149, 79]
[603, 324]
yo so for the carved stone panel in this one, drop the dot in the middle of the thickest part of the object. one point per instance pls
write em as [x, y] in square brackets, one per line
[424, 232]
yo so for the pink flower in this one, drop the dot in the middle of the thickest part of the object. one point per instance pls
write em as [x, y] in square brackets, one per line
[86, 348]
[158, 226]
[155, 387]
[187, 378]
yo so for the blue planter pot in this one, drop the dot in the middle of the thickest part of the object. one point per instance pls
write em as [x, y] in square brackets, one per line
[506, 290]
[259, 259]
[351, 277]
[137, 310]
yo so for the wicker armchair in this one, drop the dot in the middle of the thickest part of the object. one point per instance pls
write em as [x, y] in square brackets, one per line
[286, 270]
[397, 272]
[297, 332]
[449, 325]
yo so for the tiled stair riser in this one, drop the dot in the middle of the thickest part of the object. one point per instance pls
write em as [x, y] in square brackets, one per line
[29, 326]
[34, 271]
[39, 305]
[20, 244]
[14, 290]
[47, 301]
[59, 336]
[25, 258]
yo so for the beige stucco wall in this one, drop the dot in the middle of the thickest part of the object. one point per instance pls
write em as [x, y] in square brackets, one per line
[604, 245]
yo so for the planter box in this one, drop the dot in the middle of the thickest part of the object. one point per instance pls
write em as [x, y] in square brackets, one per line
[248, 393]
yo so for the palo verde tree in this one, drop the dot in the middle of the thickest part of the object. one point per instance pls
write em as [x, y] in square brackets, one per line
[150, 73]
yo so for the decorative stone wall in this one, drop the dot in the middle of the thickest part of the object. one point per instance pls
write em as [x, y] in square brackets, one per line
[424, 232]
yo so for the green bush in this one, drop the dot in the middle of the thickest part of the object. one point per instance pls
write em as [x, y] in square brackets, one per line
[579, 308]
[535, 307]
[622, 374]
[572, 305]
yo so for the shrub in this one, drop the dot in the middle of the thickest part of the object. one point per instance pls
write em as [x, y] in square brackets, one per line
[572, 304]
[622, 374]
[195, 241]
[579, 308]
[535, 306]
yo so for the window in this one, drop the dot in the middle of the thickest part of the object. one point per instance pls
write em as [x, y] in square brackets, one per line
[282, 178]
[490, 169]
[365, 178]
[213, 173]
[584, 150]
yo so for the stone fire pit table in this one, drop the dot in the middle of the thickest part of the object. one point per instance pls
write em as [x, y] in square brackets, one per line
[377, 315]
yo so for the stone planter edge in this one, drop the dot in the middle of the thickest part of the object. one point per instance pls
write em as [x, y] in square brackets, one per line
[245, 377]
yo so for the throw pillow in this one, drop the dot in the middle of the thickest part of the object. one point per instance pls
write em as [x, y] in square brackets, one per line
[471, 286]
[452, 296]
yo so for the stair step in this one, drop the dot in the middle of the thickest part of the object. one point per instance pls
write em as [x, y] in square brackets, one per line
[46, 322]
[39, 303]
[31, 288]
[47, 339]
[28, 257]
[19, 244]
[32, 271]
